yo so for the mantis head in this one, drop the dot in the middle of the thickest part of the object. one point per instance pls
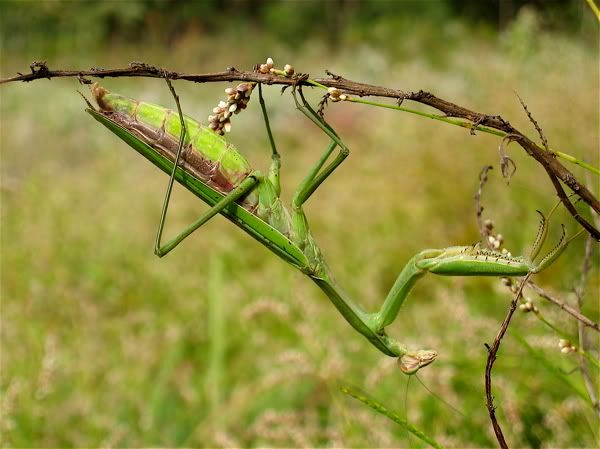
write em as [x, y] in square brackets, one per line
[412, 362]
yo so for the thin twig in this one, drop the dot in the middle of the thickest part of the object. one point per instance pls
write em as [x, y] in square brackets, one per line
[507, 165]
[555, 170]
[483, 229]
[579, 289]
[492, 352]
[562, 305]
[537, 126]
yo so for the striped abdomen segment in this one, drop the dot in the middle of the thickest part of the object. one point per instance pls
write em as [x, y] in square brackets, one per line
[216, 162]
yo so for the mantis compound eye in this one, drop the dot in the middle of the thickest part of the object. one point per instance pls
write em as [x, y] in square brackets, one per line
[413, 362]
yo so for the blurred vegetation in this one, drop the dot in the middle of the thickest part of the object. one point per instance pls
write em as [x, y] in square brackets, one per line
[335, 22]
[221, 344]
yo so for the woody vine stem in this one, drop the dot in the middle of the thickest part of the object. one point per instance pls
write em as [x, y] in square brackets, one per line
[495, 124]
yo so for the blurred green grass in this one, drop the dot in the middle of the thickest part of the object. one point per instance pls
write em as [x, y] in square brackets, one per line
[221, 344]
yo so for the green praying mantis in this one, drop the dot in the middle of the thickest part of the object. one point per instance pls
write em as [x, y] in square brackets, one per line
[201, 160]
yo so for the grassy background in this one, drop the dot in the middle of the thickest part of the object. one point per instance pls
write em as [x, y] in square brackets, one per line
[221, 344]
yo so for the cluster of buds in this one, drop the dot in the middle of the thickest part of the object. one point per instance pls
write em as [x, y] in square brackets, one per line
[513, 286]
[237, 100]
[528, 306]
[566, 346]
[336, 95]
[268, 67]
[495, 240]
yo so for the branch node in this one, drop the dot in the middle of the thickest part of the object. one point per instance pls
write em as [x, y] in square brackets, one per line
[40, 70]
[333, 75]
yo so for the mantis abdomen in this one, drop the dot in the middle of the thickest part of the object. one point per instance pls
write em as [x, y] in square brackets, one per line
[214, 161]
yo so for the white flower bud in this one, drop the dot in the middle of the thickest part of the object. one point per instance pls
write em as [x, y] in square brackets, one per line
[343, 97]
[562, 343]
[263, 68]
[288, 69]
[227, 127]
[270, 63]
[233, 107]
[230, 91]
[566, 350]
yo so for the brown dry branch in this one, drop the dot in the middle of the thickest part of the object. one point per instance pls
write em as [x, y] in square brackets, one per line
[585, 321]
[492, 354]
[579, 290]
[488, 236]
[555, 170]
[484, 228]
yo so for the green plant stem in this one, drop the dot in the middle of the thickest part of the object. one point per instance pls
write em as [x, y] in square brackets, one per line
[379, 408]
[316, 84]
[561, 334]
[594, 8]
[590, 358]
[463, 124]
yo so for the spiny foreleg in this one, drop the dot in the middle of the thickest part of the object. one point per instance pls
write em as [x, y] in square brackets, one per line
[458, 261]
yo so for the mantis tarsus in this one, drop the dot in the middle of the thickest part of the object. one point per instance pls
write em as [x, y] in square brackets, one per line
[204, 163]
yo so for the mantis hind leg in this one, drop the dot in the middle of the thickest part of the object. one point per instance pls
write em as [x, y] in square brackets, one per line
[244, 187]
